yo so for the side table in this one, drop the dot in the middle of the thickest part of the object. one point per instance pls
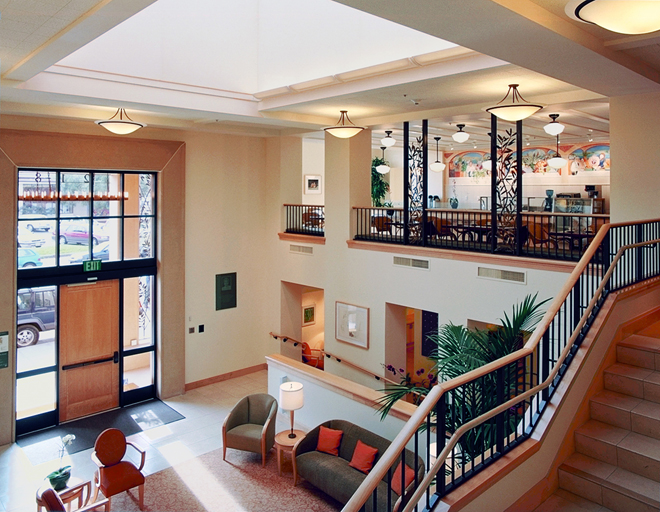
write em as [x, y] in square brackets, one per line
[284, 443]
[72, 491]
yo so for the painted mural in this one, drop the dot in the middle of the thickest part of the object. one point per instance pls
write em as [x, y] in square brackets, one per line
[468, 165]
[536, 160]
[590, 158]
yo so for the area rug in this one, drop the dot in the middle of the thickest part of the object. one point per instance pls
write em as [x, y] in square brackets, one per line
[43, 446]
[240, 484]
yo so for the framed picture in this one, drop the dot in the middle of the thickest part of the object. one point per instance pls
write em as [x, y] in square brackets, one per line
[308, 315]
[225, 291]
[312, 184]
[352, 324]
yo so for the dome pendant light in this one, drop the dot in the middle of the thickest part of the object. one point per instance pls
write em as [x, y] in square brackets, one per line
[388, 141]
[621, 16]
[557, 162]
[342, 129]
[437, 166]
[123, 125]
[516, 109]
[460, 135]
[383, 168]
[554, 128]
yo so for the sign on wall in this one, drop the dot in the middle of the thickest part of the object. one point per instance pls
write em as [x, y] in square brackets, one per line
[225, 291]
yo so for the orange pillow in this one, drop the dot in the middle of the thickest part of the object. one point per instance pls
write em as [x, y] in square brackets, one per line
[363, 457]
[396, 478]
[329, 440]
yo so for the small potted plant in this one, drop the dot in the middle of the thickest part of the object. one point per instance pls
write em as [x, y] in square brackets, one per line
[59, 478]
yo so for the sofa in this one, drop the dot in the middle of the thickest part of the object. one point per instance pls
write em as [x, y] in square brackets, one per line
[333, 475]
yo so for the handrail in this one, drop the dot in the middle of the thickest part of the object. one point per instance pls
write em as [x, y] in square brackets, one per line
[425, 409]
[338, 359]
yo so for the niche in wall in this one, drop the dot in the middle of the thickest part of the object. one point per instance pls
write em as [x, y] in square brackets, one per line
[303, 320]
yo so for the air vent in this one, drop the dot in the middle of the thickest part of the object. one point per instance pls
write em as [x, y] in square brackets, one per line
[503, 275]
[301, 249]
[411, 262]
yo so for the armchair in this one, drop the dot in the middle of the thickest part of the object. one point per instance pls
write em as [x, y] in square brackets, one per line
[52, 501]
[250, 426]
[115, 475]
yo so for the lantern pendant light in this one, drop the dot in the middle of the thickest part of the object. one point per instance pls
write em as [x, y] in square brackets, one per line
[437, 166]
[342, 129]
[383, 168]
[516, 109]
[460, 135]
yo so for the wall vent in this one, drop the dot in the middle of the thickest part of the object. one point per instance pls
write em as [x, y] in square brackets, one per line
[411, 262]
[301, 249]
[504, 275]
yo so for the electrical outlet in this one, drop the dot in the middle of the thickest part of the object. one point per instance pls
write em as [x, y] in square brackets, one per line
[191, 330]
[200, 328]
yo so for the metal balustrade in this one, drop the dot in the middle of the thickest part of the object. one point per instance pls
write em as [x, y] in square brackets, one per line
[305, 219]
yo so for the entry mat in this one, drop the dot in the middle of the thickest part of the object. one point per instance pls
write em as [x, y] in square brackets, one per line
[45, 445]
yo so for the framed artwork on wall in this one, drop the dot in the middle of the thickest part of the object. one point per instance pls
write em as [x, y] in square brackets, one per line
[308, 315]
[225, 291]
[352, 324]
[312, 184]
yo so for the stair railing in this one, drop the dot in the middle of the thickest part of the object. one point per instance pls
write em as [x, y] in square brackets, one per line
[520, 400]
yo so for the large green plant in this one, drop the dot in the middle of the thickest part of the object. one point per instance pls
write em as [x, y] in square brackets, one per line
[459, 350]
[379, 187]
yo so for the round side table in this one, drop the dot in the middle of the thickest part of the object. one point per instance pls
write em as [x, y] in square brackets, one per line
[284, 443]
[67, 495]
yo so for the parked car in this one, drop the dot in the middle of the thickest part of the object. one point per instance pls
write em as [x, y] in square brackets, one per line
[28, 258]
[36, 222]
[36, 313]
[29, 239]
[101, 252]
[78, 233]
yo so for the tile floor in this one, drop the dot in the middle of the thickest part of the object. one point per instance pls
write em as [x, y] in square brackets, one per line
[200, 432]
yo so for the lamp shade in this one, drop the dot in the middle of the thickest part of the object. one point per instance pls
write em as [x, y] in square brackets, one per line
[383, 169]
[460, 135]
[437, 166]
[516, 109]
[291, 396]
[388, 141]
[622, 16]
[487, 165]
[122, 125]
[554, 128]
[557, 162]
[344, 129]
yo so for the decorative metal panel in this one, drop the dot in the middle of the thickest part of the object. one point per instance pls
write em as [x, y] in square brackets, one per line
[416, 190]
[506, 191]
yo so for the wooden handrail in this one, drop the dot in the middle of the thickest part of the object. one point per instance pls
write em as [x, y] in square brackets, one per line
[310, 205]
[427, 405]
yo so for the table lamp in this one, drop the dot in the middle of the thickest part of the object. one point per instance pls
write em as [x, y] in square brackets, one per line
[291, 399]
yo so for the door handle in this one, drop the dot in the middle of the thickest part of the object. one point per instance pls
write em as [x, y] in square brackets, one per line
[115, 357]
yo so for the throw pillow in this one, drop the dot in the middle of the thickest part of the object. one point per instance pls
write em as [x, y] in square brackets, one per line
[329, 440]
[363, 457]
[396, 478]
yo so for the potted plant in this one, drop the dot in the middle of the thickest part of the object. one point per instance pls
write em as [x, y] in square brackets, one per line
[59, 478]
[379, 187]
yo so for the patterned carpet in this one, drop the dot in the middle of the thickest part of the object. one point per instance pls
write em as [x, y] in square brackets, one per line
[240, 484]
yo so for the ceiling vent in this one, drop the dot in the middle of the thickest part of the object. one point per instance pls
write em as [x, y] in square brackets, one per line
[411, 262]
[301, 249]
[503, 275]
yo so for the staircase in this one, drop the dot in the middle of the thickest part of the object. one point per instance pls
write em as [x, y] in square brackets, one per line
[617, 458]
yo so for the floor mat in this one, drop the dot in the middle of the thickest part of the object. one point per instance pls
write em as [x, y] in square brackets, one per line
[44, 445]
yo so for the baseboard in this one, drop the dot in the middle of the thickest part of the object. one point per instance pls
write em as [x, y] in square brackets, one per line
[226, 376]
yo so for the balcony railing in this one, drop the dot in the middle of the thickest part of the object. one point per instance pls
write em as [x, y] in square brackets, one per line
[304, 219]
[544, 235]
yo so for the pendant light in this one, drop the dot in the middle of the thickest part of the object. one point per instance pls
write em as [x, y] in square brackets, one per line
[557, 162]
[554, 128]
[437, 166]
[388, 141]
[342, 129]
[383, 168]
[460, 135]
[516, 109]
[622, 16]
[122, 125]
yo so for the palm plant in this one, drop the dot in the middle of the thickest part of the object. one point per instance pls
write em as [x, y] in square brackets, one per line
[379, 187]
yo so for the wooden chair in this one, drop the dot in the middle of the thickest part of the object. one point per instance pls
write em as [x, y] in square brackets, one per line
[382, 224]
[250, 426]
[312, 219]
[115, 475]
[539, 234]
[441, 228]
[52, 501]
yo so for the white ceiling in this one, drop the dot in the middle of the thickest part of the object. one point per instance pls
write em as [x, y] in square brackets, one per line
[570, 67]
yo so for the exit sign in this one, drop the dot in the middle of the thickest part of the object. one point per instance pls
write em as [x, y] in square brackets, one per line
[91, 266]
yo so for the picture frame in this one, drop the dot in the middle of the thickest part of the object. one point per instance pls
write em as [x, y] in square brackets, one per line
[313, 184]
[352, 324]
[225, 291]
[308, 315]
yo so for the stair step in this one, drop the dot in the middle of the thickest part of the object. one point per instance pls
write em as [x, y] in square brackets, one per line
[639, 350]
[599, 440]
[645, 419]
[613, 408]
[607, 485]
[652, 330]
[640, 454]
[626, 379]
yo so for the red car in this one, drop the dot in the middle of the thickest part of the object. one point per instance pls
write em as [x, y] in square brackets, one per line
[78, 233]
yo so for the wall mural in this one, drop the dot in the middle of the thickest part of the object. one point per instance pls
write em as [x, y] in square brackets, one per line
[582, 158]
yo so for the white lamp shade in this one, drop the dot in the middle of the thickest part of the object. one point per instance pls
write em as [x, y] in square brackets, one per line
[383, 169]
[515, 112]
[487, 165]
[622, 16]
[388, 141]
[291, 396]
[557, 162]
[438, 167]
[554, 128]
[120, 127]
[460, 137]
[343, 132]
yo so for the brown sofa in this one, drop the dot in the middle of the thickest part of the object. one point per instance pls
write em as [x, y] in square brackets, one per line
[334, 476]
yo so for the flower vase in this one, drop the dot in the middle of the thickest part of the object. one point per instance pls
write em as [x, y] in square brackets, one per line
[59, 478]
[453, 202]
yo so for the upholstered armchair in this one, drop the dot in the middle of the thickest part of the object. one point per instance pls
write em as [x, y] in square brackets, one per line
[250, 426]
[115, 475]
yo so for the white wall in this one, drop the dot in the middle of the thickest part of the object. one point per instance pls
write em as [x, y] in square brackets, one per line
[314, 334]
[313, 163]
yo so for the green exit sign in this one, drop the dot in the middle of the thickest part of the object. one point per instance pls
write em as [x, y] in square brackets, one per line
[91, 266]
